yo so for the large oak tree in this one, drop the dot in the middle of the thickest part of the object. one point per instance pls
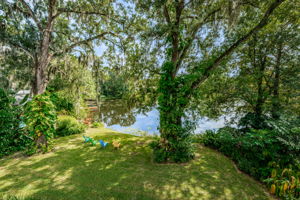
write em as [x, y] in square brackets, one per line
[45, 29]
[197, 36]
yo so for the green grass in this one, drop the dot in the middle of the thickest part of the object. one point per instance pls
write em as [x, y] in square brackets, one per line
[75, 170]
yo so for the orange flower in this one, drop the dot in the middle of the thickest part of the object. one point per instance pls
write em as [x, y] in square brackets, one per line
[273, 189]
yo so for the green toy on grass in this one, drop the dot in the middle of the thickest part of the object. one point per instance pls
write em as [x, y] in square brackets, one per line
[86, 139]
[93, 141]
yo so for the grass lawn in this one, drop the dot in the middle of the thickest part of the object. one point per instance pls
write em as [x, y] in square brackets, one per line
[75, 170]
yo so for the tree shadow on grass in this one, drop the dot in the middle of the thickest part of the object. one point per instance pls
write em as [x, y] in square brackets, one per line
[80, 171]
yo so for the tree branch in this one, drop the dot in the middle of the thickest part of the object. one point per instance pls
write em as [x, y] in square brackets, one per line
[83, 42]
[166, 14]
[191, 39]
[179, 9]
[263, 22]
[18, 46]
[175, 33]
[31, 13]
[26, 14]
[51, 14]
[66, 10]
[249, 3]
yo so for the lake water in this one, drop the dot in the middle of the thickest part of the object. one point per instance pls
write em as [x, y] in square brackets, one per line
[117, 115]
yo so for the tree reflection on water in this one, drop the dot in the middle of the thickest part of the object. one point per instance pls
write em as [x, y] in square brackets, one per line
[121, 116]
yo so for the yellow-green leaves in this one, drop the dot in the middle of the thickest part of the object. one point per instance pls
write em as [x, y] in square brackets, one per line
[40, 118]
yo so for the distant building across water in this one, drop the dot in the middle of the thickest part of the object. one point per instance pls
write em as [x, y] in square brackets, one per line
[21, 94]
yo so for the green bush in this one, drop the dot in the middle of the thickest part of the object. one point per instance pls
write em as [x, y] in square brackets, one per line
[183, 152]
[254, 152]
[97, 125]
[251, 120]
[13, 135]
[160, 155]
[40, 118]
[62, 104]
[68, 125]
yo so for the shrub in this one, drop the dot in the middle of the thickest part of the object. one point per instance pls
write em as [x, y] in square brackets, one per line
[257, 151]
[159, 154]
[13, 136]
[62, 104]
[97, 125]
[68, 125]
[183, 152]
[251, 120]
[40, 118]
[252, 150]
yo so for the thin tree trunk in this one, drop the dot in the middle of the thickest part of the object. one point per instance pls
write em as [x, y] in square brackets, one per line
[258, 109]
[98, 87]
[275, 100]
[259, 100]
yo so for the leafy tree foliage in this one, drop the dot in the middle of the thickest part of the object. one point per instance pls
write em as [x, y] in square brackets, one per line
[15, 69]
[13, 135]
[61, 103]
[260, 82]
[45, 30]
[71, 83]
[114, 86]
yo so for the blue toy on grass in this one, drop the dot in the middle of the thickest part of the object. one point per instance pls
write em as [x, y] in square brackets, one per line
[103, 144]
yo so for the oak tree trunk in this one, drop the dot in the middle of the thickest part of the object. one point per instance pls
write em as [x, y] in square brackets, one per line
[40, 79]
[42, 61]
[175, 136]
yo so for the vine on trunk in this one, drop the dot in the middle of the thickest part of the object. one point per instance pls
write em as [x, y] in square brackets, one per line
[174, 144]
[40, 118]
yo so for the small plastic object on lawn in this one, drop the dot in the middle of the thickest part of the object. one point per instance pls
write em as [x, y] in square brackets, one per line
[103, 144]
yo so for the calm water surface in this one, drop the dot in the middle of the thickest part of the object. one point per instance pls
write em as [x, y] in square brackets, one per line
[117, 115]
